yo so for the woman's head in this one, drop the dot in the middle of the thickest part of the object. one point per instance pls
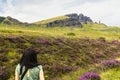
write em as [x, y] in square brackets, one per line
[29, 58]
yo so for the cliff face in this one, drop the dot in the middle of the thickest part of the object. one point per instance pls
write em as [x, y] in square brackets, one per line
[65, 22]
[73, 20]
[80, 17]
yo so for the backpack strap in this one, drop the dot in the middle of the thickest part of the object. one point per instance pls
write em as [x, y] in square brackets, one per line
[22, 76]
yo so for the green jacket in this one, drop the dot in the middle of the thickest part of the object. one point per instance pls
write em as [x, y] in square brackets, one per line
[34, 72]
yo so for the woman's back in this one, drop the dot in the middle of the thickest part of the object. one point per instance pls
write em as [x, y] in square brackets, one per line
[31, 74]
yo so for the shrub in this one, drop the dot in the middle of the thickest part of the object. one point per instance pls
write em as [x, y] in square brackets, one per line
[1, 41]
[90, 76]
[43, 41]
[1, 74]
[4, 74]
[115, 42]
[110, 63]
[71, 34]
[102, 39]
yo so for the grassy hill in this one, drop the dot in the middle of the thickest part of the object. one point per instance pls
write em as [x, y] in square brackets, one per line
[89, 30]
[51, 20]
[66, 53]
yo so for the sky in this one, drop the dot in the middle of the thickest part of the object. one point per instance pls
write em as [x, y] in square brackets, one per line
[105, 11]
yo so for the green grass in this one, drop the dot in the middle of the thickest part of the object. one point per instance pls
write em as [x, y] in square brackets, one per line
[68, 47]
[89, 30]
[51, 20]
[112, 74]
[73, 75]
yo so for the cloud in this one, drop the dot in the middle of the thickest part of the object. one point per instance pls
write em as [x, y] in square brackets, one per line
[107, 11]
[6, 7]
[1, 6]
[80, 2]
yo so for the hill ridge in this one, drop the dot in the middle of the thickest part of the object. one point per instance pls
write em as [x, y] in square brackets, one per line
[72, 19]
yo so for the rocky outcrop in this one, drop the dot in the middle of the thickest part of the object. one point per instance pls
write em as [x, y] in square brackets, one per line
[65, 22]
[72, 20]
[84, 19]
[80, 17]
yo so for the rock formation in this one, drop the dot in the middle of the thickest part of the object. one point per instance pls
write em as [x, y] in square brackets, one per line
[80, 17]
[73, 20]
[65, 22]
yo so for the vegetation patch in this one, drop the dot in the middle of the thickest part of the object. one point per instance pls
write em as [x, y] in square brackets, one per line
[58, 55]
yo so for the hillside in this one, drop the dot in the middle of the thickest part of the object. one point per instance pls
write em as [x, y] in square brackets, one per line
[73, 20]
[89, 30]
[61, 57]
[12, 21]
[51, 20]
[66, 53]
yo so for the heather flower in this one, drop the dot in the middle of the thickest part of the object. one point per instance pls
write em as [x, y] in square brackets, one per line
[90, 76]
[4, 67]
[16, 39]
[1, 41]
[111, 63]
[43, 41]
[1, 74]
[102, 39]
[99, 55]
[116, 54]
[115, 41]
[67, 68]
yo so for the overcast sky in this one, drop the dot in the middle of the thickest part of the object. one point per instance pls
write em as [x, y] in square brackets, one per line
[106, 11]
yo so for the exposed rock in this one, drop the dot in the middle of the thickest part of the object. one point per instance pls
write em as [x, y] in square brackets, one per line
[65, 22]
[80, 17]
[84, 19]
[73, 20]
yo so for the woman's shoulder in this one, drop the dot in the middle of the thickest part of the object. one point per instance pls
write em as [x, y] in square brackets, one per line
[36, 69]
[39, 66]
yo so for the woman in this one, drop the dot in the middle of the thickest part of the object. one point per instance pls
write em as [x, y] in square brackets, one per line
[28, 68]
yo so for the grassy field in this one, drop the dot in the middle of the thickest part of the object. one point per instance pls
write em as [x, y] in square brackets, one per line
[77, 50]
[89, 30]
